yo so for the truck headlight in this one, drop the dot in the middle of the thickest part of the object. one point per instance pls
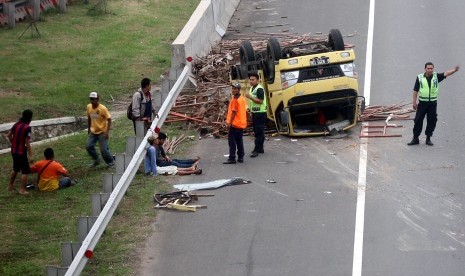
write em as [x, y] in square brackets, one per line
[349, 69]
[289, 79]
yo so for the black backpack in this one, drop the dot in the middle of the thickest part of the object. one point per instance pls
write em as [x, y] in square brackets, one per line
[129, 111]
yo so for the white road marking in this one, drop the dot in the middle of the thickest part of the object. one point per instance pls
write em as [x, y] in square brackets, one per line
[362, 169]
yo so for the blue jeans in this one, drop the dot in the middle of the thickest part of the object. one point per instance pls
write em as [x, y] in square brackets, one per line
[180, 163]
[64, 182]
[103, 144]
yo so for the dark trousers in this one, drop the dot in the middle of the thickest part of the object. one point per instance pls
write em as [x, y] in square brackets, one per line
[259, 120]
[235, 141]
[427, 109]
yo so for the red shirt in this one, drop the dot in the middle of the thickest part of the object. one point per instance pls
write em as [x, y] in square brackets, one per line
[21, 133]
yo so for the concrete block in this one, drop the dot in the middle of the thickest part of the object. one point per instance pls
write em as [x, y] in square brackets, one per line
[9, 11]
[140, 129]
[84, 225]
[98, 202]
[130, 145]
[55, 270]
[68, 252]
[122, 161]
[110, 180]
[62, 5]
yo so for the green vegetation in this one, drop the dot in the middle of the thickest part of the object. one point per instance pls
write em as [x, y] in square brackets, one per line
[78, 53]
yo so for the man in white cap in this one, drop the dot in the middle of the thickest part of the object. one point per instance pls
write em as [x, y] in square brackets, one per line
[98, 128]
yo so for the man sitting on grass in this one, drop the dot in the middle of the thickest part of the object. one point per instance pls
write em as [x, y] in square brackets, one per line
[48, 173]
[151, 164]
[164, 160]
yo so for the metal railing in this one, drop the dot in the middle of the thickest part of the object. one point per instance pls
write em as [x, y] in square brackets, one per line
[92, 238]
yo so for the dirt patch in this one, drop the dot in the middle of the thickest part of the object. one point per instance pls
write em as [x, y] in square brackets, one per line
[9, 93]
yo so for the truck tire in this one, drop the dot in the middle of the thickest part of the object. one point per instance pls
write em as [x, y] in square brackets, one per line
[335, 40]
[246, 56]
[273, 53]
[233, 72]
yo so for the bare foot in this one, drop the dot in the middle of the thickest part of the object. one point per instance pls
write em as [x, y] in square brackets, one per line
[23, 192]
[197, 159]
[198, 171]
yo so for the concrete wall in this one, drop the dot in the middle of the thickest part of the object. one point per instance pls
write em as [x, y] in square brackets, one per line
[206, 26]
[45, 129]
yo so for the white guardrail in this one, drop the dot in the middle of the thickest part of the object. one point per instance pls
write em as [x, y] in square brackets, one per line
[103, 219]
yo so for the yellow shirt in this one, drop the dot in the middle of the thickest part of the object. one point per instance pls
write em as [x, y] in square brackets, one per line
[98, 118]
[49, 177]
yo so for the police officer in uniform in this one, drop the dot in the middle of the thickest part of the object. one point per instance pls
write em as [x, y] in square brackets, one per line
[426, 91]
[258, 108]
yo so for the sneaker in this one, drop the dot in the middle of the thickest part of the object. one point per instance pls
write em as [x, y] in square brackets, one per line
[110, 165]
[254, 154]
[94, 164]
[230, 162]
[260, 151]
[414, 141]
[240, 160]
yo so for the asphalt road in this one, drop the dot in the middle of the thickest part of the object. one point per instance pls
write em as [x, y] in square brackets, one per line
[304, 223]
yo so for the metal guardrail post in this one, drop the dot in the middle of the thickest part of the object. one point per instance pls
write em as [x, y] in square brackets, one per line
[103, 219]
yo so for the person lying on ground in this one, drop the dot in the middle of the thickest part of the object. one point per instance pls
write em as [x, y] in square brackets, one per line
[151, 168]
[164, 160]
[173, 170]
[49, 172]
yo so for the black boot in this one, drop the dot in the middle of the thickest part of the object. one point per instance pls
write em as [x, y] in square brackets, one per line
[428, 141]
[414, 141]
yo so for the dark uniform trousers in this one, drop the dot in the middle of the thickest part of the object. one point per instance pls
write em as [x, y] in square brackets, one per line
[259, 120]
[235, 140]
[427, 109]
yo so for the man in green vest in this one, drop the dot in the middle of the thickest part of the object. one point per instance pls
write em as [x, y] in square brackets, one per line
[426, 90]
[257, 106]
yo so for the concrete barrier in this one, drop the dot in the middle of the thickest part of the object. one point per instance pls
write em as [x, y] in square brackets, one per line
[205, 27]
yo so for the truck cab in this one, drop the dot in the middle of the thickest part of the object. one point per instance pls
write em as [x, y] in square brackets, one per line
[311, 88]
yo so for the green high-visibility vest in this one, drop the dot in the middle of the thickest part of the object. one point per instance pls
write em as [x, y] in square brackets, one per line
[427, 93]
[256, 107]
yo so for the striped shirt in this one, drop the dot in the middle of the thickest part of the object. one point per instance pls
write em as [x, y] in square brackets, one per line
[21, 133]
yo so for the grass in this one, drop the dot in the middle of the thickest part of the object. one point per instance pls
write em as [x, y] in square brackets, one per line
[77, 53]
[53, 75]
[33, 226]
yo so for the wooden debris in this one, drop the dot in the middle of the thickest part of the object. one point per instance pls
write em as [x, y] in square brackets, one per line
[179, 201]
[381, 113]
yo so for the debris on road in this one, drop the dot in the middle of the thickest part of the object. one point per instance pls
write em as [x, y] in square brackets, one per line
[179, 201]
[205, 108]
[212, 184]
[382, 112]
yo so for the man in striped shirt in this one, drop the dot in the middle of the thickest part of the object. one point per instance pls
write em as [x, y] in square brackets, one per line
[19, 136]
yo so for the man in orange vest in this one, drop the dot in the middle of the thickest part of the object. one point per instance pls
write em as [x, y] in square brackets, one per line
[236, 120]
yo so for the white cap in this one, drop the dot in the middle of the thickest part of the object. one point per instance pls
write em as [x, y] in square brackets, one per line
[93, 95]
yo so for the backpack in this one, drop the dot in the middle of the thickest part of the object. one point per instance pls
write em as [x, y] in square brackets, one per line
[129, 110]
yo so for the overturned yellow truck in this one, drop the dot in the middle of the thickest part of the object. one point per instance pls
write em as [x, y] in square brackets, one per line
[311, 88]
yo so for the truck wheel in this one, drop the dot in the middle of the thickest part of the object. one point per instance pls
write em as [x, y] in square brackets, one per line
[335, 40]
[246, 56]
[273, 53]
[233, 72]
